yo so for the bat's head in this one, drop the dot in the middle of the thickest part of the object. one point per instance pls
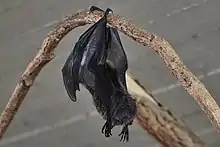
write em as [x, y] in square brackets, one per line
[125, 110]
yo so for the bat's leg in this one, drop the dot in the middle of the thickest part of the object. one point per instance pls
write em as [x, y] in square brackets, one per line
[124, 133]
[108, 125]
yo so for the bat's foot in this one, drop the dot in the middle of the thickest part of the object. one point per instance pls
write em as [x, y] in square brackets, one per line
[94, 8]
[124, 134]
[107, 129]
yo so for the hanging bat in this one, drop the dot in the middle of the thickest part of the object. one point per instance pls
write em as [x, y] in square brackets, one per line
[98, 61]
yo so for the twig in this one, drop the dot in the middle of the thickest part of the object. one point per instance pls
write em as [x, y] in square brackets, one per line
[46, 54]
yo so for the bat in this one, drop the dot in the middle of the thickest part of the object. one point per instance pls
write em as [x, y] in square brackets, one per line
[98, 61]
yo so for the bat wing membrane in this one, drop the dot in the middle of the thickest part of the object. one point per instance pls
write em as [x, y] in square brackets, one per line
[70, 70]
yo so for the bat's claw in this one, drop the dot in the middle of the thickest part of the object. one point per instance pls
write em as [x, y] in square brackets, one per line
[107, 129]
[108, 10]
[94, 8]
[124, 134]
[73, 98]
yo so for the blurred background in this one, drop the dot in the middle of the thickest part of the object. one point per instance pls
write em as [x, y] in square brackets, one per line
[49, 118]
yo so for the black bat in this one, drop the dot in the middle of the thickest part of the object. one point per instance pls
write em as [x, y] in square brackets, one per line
[98, 61]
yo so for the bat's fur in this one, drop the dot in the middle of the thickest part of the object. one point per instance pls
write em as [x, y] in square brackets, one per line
[98, 61]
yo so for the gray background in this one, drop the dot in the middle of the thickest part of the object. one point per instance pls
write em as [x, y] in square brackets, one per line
[49, 118]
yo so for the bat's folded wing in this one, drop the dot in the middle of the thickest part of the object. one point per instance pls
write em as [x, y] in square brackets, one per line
[70, 70]
[116, 54]
[70, 77]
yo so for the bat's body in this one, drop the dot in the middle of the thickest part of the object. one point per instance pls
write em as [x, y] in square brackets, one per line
[98, 61]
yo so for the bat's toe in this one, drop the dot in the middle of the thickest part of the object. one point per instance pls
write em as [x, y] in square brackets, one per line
[124, 134]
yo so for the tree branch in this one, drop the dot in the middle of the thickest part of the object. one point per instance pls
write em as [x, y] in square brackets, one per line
[46, 54]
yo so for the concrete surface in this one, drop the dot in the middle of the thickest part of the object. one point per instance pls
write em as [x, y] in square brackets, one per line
[49, 118]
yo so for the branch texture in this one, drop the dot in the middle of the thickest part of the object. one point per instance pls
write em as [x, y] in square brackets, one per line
[193, 86]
